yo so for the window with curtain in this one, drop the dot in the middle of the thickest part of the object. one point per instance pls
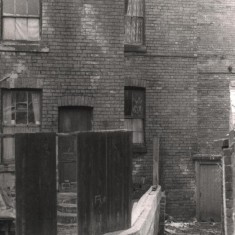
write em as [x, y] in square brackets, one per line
[21, 20]
[21, 114]
[135, 113]
[134, 22]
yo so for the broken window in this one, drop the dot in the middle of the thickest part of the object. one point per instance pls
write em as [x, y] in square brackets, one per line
[134, 22]
[135, 113]
[21, 20]
[21, 114]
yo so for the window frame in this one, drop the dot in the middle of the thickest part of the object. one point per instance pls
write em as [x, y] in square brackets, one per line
[22, 16]
[129, 47]
[36, 126]
[138, 147]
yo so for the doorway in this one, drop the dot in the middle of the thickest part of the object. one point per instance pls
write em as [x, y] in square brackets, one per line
[71, 119]
[209, 191]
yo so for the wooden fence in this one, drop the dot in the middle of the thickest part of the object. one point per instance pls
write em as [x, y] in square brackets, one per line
[104, 176]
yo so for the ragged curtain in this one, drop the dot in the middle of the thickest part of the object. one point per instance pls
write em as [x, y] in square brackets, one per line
[134, 22]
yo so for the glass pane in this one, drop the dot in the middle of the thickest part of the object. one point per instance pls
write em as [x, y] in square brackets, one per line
[128, 124]
[8, 148]
[36, 105]
[138, 103]
[138, 137]
[21, 98]
[13, 108]
[33, 29]
[33, 7]
[21, 117]
[138, 131]
[21, 29]
[8, 144]
[130, 7]
[135, 8]
[21, 7]
[139, 31]
[31, 118]
[8, 6]
[138, 125]
[9, 28]
[128, 101]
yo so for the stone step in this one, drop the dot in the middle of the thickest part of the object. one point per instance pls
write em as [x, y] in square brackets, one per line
[67, 208]
[66, 218]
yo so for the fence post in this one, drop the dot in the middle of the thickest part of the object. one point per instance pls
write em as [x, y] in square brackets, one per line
[156, 160]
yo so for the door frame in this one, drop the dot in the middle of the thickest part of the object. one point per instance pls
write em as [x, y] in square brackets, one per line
[71, 133]
[197, 170]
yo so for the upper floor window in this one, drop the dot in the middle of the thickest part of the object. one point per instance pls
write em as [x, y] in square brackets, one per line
[135, 113]
[21, 20]
[134, 22]
[21, 114]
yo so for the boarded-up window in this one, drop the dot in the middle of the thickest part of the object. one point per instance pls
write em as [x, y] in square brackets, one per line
[21, 20]
[134, 22]
[21, 114]
[135, 113]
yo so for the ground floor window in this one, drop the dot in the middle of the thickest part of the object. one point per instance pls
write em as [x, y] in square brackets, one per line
[21, 114]
[135, 113]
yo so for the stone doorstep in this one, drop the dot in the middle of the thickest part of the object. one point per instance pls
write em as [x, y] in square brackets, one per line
[67, 208]
[66, 218]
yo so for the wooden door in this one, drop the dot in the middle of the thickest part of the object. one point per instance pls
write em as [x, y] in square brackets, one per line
[71, 119]
[209, 191]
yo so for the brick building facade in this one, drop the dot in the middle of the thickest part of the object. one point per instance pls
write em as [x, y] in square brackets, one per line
[80, 57]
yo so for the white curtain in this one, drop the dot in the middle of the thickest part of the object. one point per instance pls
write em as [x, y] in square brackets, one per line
[137, 127]
[134, 22]
[7, 108]
[8, 144]
[36, 107]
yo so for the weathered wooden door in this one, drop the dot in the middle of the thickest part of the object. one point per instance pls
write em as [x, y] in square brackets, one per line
[71, 119]
[209, 195]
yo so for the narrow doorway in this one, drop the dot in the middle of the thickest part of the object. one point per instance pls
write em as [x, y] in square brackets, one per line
[209, 191]
[71, 119]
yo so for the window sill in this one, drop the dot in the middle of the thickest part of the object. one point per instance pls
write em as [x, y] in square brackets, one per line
[135, 48]
[7, 167]
[139, 148]
[21, 125]
[13, 46]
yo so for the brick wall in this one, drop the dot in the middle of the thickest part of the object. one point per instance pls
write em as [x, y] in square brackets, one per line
[79, 60]
[169, 68]
[189, 47]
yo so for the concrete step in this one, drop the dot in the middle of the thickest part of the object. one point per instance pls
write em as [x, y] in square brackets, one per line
[67, 208]
[66, 218]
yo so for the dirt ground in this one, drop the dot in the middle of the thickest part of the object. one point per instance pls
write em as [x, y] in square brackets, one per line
[193, 228]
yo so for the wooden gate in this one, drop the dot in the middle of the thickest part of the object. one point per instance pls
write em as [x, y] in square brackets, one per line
[104, 182]
[209, 191]
[71, 119]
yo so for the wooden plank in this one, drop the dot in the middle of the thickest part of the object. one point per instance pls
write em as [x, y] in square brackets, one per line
[156, 160]
[119, 181]
[36, 184]
[91, 183]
